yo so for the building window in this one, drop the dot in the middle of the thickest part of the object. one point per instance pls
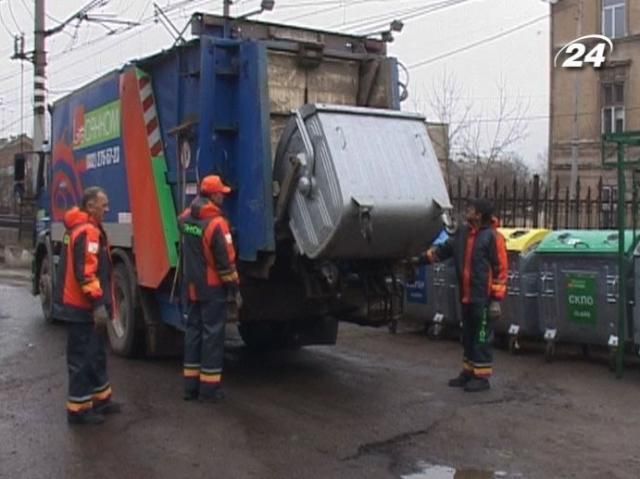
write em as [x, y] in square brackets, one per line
[613, 18]
[613, 107]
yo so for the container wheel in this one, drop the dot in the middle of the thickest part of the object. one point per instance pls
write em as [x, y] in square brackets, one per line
[612, 360]
[393, 326]
[45, 286]
[434, 331]
[586, 351]
[514, 345]
[550, 351]
[122, 329]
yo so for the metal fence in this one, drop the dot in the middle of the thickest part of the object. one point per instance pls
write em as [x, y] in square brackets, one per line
[533, 204]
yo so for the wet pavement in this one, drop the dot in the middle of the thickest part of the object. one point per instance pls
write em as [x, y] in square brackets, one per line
[374, 406]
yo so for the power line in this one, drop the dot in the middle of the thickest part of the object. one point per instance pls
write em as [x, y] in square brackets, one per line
[11, 34]
[15, 122]
[24, 4]
[377, 18]
[476, 44]
[13, 17]
[409, 14]
[532, 117]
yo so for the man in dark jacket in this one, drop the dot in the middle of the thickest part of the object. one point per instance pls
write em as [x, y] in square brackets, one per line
[209, 276]
[83, 298]
[481, 264]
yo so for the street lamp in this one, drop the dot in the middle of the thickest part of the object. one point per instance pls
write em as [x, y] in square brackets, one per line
[265, 5]
[387, 34]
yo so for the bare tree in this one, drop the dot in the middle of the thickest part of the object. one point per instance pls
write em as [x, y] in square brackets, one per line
[446, 103]
[479, 138]
[542, 165]
[487, 140]
[497, 174]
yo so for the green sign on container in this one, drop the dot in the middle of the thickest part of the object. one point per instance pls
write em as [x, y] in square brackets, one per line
[582, 298]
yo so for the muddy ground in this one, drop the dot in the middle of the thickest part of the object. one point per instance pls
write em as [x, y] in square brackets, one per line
[374, 406]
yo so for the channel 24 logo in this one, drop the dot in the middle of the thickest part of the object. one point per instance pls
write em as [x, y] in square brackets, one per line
[576, 54]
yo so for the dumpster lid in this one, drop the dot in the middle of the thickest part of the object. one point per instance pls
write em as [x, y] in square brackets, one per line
[585, 242]
[522, 239]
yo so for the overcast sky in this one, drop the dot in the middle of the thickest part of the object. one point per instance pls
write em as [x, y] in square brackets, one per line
[517, 58]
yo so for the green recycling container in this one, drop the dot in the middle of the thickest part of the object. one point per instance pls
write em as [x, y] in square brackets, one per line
[578, 283]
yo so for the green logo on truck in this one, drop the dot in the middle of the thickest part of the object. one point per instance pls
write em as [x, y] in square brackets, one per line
[582, 299]
[96, 126]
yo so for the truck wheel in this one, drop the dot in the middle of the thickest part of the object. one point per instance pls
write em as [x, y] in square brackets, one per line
[45, 286]
[122, 330]
[263, 335]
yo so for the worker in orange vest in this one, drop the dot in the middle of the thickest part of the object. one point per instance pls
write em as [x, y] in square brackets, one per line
[83, 297]
[210, 275]
[481, 263]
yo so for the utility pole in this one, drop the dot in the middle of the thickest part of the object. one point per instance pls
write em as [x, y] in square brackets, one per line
[39, 59]
[576, 129]
[39, 88]
[227, 8]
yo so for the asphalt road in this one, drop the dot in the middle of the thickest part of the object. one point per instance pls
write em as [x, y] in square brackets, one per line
[374, 406]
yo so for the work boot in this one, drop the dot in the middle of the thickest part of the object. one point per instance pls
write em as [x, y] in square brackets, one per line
[460, 381]
[215, 397]
[89, 417]
[475, 385]
[190, 395]
[109, 407]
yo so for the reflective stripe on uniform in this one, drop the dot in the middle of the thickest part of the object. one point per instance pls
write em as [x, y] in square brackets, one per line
[78, 407]
[482, 372]
[191, 372]
[103, 395]
[210, 378]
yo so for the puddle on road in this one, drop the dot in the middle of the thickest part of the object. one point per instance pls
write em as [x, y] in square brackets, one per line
[431, 471]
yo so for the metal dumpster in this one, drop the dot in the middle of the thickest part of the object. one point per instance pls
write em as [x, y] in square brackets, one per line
[578, 280]
[419, 294]
[520, 308]
[636, 298]
[447, 312]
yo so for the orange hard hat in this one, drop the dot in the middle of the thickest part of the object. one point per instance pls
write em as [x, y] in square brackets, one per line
[213, 184]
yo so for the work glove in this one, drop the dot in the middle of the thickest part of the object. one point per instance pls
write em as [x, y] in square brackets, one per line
[100, 317]
[495, 311]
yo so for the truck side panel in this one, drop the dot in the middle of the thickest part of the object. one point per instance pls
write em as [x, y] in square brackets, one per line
[87, 150]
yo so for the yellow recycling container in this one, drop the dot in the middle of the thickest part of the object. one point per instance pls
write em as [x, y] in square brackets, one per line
[522, 240]
[520, 307]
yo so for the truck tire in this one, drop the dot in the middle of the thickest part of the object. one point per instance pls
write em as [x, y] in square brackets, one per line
[264, 335]
[45, 287]
[123, 331]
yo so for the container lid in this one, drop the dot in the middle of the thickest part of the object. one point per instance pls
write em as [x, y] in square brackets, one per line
[585, 242]
[522, 239]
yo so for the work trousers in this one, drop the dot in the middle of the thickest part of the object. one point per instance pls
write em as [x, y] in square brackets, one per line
[87, 366]
[477, 339]
[204, 345]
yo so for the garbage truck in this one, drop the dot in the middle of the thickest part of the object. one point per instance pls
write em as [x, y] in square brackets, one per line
[332, 184]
